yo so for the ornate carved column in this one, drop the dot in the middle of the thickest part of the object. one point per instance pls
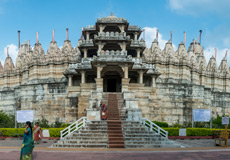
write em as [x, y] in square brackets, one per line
[99, 80]
[82, 76]
[87, 36]
[141, 76]
[85, 53]
[138, 53]
[70, 80]
[101, 28]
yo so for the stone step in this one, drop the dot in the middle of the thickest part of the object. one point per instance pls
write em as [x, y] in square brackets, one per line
[83, 141]
[116, 146]
[143, 146]
[140, 135]
[144, 139]
[143, 142]
[116, 142]
[80, 145]
[87, 138]
[89, 135]
[90, 131]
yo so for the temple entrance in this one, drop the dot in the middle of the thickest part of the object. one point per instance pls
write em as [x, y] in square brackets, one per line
[112, 75]
[112, 83]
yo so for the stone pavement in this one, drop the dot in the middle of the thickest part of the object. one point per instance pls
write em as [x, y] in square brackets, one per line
[194, 149]
[107, 154]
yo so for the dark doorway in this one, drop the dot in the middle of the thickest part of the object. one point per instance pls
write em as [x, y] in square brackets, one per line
[111, 85]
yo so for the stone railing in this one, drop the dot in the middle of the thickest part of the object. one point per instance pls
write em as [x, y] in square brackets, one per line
[137, 60]
[89, 27]
[113, 20]
[137, 43]
[112, 36]
[86, 43]
[113, 53]
[134, 28]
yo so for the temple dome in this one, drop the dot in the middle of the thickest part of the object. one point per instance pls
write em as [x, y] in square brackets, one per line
[111, 16]
[1, 68]
[212, 66]
[8, 65]
[223, 68]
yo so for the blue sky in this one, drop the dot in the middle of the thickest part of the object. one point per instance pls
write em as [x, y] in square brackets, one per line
[43, 16]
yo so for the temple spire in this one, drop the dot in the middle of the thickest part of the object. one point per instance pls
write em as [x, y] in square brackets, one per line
[18, 38]
[7, 51]
[53, 37]
[184, 38]
[37, 37]
[67, 34]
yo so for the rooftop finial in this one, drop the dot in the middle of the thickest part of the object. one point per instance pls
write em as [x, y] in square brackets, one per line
[37, 37]
[53, 36]
[7, 51]
[18, 38]
[67, 34]
[111, 14]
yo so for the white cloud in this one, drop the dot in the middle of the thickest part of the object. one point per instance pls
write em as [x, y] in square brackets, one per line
[13, 52]
[210, 51]
[197, 7]
[150, 35]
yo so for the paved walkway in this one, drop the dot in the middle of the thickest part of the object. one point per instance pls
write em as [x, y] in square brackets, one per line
[194, 150]
[107, 154]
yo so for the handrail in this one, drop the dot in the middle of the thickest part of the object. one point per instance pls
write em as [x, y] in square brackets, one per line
[73, 127]
[155, 127]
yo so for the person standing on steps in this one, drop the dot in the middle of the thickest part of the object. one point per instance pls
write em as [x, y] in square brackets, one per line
[104, 111]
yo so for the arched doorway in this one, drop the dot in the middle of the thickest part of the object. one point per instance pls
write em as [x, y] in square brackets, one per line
[112, 79]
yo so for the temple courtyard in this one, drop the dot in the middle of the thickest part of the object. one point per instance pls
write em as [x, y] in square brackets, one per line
[193, 149]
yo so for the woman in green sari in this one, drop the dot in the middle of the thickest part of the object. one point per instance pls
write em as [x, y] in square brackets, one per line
[27, 143]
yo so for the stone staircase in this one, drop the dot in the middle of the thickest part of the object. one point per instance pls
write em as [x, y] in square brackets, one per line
[93, 135]
[115, 134]
[136, 135]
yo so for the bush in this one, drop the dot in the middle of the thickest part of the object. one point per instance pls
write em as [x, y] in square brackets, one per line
[54, 132]
[64, 125]
[6, 121]
[172, 131]
[161, 124]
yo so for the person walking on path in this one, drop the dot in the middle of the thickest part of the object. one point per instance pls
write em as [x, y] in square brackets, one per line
[27, 143]
[37, 133]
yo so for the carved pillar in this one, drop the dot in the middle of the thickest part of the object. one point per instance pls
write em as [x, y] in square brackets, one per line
[101, 28]
[82, 76]
[126, 70]
[138, 53]
[122, 28]
[141, 76]
[87, 36]
[100, 46]
[70, 80]
[99, 69]
[123, 46]
[135, 36]
[153, 81]
[85, 53]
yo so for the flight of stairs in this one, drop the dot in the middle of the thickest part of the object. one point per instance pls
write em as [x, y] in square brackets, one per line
[115, 134]
[93, 135]
[136, 135]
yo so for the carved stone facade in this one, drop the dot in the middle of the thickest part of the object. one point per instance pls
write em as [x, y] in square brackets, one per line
[67, 83]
